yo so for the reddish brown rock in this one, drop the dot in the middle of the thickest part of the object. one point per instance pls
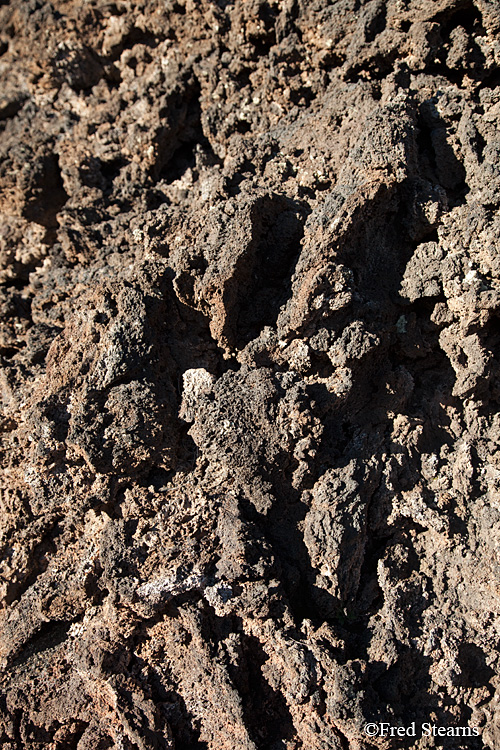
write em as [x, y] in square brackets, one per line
[249, 335]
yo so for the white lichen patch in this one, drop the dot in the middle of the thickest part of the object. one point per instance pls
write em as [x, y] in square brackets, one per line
[218, 597]
[196, 383]
[164, 589]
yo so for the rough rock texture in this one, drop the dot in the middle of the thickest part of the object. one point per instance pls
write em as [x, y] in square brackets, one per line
[249, 266]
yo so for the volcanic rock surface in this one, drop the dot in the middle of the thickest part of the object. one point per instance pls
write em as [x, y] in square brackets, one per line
[249, 339]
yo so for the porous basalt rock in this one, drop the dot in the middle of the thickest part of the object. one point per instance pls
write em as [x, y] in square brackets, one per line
[249, 335]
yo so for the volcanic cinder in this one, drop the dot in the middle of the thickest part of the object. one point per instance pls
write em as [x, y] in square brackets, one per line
[249, 339]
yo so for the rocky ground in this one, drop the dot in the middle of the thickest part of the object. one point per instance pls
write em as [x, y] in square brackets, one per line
[249, 338]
